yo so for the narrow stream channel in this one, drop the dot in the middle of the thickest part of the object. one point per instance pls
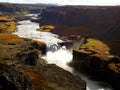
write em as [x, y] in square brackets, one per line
[55, 54]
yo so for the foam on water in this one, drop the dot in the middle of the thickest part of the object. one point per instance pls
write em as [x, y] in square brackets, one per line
[28, 29]
[55, 53]
[60, 57]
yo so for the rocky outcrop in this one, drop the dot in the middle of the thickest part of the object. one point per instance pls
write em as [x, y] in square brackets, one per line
[39, 45]
[29, 57]
[53, 77]
[46, 28]
[47, 77]
[11, 79]
[106, 71]
[80, 62]
[99, 65]
[15, 49]
[21, 67]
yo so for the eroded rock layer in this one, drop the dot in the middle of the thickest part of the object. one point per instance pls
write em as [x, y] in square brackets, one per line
[94, 59]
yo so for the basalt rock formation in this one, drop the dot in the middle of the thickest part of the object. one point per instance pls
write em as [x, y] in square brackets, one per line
[93, 58]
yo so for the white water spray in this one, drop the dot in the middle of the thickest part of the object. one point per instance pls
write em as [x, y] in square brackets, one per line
[60, 57]
[56, 54]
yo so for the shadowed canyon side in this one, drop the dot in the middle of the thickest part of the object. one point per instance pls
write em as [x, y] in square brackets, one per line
[101, 22]
[98, 22]
[94, 59]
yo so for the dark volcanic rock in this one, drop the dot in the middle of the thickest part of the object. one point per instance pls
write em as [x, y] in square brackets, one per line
[99, 66]
[53, 77]
[80, 62]
[47, 77]
[29, 57]
[11, 79]
[40, 46]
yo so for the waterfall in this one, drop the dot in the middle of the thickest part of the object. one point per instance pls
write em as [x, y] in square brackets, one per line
[56, 54]
[53, 47]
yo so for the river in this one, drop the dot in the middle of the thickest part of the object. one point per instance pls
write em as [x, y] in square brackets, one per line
[55, 54]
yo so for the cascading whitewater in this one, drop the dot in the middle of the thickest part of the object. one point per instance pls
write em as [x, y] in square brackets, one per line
[55, 53]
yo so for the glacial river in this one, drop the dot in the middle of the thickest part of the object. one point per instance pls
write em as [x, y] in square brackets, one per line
[55, 54]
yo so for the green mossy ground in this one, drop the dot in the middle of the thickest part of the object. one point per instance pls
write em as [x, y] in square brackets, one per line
[96, 48]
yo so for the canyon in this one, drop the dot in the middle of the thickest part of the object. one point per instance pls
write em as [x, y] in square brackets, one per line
[31, 50]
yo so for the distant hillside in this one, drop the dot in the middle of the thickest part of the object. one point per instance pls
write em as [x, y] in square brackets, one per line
[9, 8]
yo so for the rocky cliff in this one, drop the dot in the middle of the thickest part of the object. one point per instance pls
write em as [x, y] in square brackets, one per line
[101, 22]
[93, 58]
